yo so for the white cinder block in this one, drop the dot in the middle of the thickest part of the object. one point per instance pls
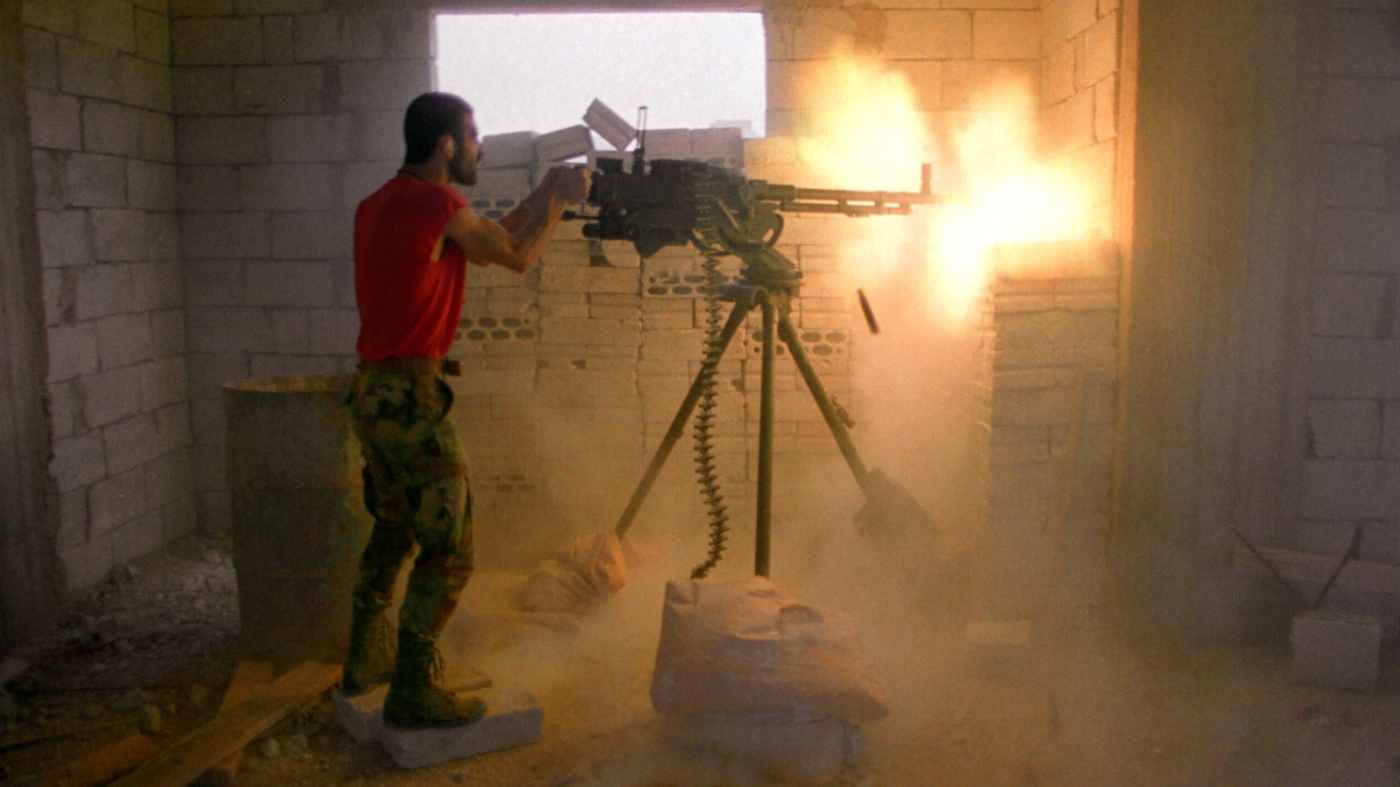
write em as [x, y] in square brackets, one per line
[230, 330]
[65, 238]
[306, 284]
[1336, 651]
[158, 136]
[114, 501]
[501, 182]
[103, 290]
[285, 187]
[224, 235]
[168, 332]
[110, 396]
[280, 90]
[118, 235]
[558, 330]
[138, 537]
[151, 185]
[667, 143]
[387, 84]
[309, 137]
[163, 241]
[1006, 35]
[203, 91]
[362, 717]
[152, 36]
[725, 143]
[130, 443]
[72, 351]
[40, 60]
[124, 340]
[312, 235]
[54, 120]
[565, 143]
[513, 718]
[145, 84]
[216, 41]
[1100, 51]
[221, 140]
[589, 280]
[609, 125]
[163, 383]
[109, 127]
[77, 461]
[88, 69]
[516, 149]
[928, 35]
[95, 181]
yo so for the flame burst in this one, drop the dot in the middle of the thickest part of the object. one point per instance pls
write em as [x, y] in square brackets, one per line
[873, 136]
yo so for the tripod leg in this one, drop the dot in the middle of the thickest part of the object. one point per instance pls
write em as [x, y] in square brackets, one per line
[764, 518]
[833, 421]
[663, 451]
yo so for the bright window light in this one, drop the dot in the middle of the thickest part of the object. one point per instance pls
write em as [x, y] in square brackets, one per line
[539, 72]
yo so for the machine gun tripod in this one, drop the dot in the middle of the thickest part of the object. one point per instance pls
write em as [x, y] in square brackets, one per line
[682, 202]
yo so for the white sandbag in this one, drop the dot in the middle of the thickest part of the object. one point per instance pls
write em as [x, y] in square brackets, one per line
[589, 570]
[743, 646]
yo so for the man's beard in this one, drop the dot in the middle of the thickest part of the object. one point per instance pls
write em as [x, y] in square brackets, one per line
[461, 169]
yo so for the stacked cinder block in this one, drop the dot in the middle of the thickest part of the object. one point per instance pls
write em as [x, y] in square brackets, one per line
[1056, 332]
[289, 113]
[1079, 93]
[100, 110]
[1351, 469]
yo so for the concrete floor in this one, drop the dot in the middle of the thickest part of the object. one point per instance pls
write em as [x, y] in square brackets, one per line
[1090, 713]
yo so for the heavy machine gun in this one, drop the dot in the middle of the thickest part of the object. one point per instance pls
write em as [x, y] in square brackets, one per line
[676, 203]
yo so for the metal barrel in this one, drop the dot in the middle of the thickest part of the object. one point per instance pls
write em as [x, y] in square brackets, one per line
[299, 521]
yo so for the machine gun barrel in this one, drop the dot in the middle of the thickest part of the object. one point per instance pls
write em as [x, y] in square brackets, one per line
[796, 199]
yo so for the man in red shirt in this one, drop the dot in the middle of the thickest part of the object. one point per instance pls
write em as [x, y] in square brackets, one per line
[413, 238]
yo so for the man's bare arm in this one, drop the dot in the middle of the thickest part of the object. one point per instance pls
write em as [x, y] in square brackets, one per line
[520, 238]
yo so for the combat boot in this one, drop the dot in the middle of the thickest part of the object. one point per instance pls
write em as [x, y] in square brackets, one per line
[415, 700]
[369, 662]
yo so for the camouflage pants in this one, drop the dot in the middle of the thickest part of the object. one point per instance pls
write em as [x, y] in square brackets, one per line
[416, 488]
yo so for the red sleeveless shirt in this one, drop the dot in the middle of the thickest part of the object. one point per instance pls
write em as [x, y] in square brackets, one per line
[409, 303]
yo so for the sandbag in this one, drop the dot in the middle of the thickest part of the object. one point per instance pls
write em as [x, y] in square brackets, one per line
[589, 570]
[743, 646]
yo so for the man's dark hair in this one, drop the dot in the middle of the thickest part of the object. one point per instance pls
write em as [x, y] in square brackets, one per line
[429, 117]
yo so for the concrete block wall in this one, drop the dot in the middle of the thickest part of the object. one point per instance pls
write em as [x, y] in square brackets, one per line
[1079, 70]
[103, 139]
[1051, 429]
[949, 51]
[288, 114]
[1351, 473]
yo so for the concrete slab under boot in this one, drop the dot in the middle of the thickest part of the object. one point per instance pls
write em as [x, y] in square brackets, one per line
[513, 718]
[362, 717]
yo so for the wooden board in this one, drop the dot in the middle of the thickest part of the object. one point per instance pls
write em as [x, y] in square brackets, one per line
[231, 730]
[250, 678]
[1307, 567]
[103, 765]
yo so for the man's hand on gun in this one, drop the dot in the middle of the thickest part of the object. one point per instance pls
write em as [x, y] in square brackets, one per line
[568, 184]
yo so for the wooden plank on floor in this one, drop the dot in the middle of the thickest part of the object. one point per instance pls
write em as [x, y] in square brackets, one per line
[233, 729]
[250, 678]
[103, 765]
[1313, 568]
